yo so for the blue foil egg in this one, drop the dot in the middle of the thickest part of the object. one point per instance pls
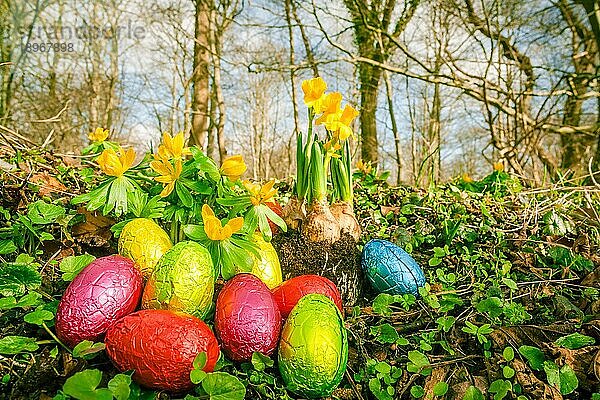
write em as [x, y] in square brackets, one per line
[390, 269]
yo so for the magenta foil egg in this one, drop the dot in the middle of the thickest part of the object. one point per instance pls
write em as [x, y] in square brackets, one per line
[102, 293]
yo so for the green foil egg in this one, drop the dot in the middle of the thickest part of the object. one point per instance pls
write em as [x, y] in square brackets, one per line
[183, 280]
[313, 350]
[144, 242]
[267, 268]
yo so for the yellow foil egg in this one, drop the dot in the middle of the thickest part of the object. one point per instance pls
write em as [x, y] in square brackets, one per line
[183, 280]
[267, 268]
[143, 241]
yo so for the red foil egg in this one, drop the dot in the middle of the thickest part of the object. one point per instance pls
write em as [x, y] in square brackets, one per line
[160, 346]
[291, 291]
[102, 293]
[246, 318]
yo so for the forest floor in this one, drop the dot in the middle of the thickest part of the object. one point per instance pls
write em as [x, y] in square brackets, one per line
[510, 311]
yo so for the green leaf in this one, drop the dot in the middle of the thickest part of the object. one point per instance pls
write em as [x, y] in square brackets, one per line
[445, 323]
[417, 391]
[6, 303]
[418, 363]
[17, 344]
[508, 372]
[440, 389]
[552, 373]
[575, 341]
[16, 278]
[38, 317]
[568, 380]
[43, 213]
[384, 333]
[87, 349]
[381, 304]
[510, 283]
[7, 246]
[473, 393]
[184, 195]
[119, 386]
[82, 386]
[31, 299]
[535, 357]
[508, 354]
[200, 360]
[501, 388]
[492, 306]
[72, 265]
[260, 362]
[197, 376]
[223, 386]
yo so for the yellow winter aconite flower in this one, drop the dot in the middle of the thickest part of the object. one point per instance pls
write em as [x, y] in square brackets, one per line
[168, 174]
[213, 227]
[340, 123]
[99, 135]
[233, 167]
[499, 166]
[313, 90]
[172, 147]
[467, 178]
[329, 105]
[260, 194]
[116, 163]
[364, 167]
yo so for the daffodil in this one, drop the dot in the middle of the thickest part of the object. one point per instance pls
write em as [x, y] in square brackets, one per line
[213, 227]
[172, 148]
[365, 168]
[499, 166]
[168, 174]
[339, 123]
[99, 135]
[329, 105]
[116, 163]
[260, 194]
[313, 90]
[233, 167]
[332, 146]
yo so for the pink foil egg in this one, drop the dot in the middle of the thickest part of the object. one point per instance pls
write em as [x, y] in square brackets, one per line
[102, 293]
[247, 318]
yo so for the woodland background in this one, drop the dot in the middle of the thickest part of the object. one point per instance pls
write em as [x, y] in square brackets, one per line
[444, 87]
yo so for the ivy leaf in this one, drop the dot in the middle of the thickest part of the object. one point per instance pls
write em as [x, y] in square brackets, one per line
[534, 357]
[384, 333]
[381, 304]
[17, 344]
[417, 391]
[38, 317]
[43, 213]
[567, 380]
[87, 349]
[418, 363]
[440, 389]
[260, 362]
[82, 386]
[119, 386]
[7, 246]
[473, 393]
[16, 278]
[575, 341]
[72, 265]
[508, 354]
[223, 386]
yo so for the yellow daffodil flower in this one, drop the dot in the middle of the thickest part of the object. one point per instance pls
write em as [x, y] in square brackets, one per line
[332, 146]
[233, 167]
[168, 174]
[261, 194]
[329, 105]
[172, 147]
[213, 227]
[365, 168]
[499, 166]
[116, 163]
[467, 178]
[340, 123]
[99, 135]
[313, 90]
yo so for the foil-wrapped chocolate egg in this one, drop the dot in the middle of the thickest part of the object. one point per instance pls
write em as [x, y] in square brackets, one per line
[102, 293]
[246, 318]
[267, 268]
[313, 350]
[183, 280]
[144, 242]
[160, 347]
[291, 291]
[390, 269]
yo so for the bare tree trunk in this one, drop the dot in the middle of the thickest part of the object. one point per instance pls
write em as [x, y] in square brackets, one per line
[309, 53]
[200, 77]
[292, 65]
[369, 91]
[397, 144]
